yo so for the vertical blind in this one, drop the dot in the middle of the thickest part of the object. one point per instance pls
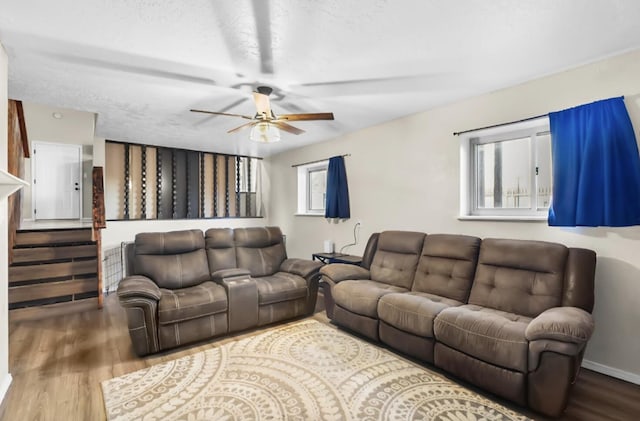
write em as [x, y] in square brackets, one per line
[150, 182]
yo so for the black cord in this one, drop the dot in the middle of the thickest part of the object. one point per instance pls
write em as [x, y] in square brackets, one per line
[355, 238]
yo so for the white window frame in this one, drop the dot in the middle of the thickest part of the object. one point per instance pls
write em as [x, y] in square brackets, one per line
[304, 190]
[468, 162]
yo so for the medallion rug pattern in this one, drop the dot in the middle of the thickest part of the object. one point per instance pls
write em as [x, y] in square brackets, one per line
[303, 371]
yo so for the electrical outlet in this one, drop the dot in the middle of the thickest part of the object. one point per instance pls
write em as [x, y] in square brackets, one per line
[359, 223]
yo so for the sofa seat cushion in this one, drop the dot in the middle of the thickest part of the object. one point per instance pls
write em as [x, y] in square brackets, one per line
[281, 286]
[179, 305]
[413, 312]
[362, 296]
[493, 336]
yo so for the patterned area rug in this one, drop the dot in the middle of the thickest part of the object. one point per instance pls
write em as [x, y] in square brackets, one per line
[304, 371]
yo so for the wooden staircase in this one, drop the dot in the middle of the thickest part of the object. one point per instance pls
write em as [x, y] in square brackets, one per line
[53, 272]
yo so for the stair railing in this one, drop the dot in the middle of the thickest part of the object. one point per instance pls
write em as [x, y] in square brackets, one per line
[18, 150]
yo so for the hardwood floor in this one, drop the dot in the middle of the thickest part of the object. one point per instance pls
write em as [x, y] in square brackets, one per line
[57, 365]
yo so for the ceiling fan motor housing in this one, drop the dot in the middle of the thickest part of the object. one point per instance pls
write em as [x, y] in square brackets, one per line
[264, 90]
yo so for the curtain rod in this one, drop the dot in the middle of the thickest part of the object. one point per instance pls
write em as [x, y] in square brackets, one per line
[501, 124]
[313, 162]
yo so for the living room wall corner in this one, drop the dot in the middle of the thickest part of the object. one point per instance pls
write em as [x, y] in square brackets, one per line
[5, 377]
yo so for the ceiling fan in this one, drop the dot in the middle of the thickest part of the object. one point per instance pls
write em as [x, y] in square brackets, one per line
[265, 125]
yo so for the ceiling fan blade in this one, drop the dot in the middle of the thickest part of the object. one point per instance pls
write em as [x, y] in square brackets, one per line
[223, 109]
[377, 86]
[287, 127]
[261, 14]
[244, 126]
[112, 60]
[263, 107]
[306, 116]
[219, 113]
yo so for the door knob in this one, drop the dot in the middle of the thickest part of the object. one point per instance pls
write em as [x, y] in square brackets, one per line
[77, 188]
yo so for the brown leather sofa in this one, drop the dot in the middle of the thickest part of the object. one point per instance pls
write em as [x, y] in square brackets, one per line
[184, 286]
[510, 316]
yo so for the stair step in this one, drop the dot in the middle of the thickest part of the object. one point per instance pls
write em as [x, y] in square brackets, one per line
[21, 293]
[53, 310]
[43, 254]
[23, 274]
[28, 238]
[53, 272]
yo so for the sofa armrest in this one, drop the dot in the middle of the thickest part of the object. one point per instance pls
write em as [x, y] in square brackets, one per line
[300, 267]
[564, 324]
[242, 297]
[139, 296]
[341, 271]
[138, 286]
[220, 276]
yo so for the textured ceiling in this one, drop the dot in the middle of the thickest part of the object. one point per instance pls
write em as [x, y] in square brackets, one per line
[141, 65]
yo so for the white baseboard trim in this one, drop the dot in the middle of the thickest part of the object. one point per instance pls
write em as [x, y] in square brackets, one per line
[612, 371]
[4, 386]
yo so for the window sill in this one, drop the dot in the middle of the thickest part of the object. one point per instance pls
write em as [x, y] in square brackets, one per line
[309, 214]
[505, 218]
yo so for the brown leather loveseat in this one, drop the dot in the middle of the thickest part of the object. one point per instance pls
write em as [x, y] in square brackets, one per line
[510, 316]
[184, 286]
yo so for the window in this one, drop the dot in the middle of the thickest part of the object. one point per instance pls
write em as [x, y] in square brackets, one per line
[506, 172]
[312, 188]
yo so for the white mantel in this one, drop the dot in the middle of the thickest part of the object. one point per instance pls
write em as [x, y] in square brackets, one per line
[10, 184]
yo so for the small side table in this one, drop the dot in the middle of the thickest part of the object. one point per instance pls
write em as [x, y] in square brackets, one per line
[337, 258]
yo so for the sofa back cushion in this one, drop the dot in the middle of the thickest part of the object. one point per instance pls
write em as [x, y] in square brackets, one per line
[172, 260]
[221, 252]
[447, 266]
[259, 250]
[370, 250]
[396, 257]
[519, 276]
[579, 279]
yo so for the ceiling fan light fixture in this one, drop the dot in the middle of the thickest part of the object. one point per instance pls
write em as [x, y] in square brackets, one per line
[265, 125]
[265, 132]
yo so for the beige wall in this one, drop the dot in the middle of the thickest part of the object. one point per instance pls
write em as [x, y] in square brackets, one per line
[98, 152]
[404, 175]
[119, 231]
[76, 127]
[5, 377]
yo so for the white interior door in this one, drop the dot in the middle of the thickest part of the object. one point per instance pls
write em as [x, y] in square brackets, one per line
[57, 188]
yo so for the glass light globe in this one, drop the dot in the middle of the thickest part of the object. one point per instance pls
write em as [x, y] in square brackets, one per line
[264, 132]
